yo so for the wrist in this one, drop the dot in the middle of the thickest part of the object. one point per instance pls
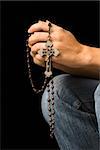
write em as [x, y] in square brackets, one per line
[84, 57]
[91, 59]
[91, 56]
[95, 57]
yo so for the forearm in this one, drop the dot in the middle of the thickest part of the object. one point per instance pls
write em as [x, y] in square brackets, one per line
[95, 57]
[90, 65]
[89, 60]
[83, 72]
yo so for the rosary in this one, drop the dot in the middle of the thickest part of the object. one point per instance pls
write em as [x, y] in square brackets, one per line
[48, 52]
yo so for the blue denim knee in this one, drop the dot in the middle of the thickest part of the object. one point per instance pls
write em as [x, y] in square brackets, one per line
[75, 120]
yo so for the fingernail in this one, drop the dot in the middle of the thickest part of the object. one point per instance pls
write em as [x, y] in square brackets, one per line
[29, 31]
[39, 21]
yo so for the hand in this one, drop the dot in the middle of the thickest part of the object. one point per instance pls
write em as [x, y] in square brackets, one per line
[72, 53]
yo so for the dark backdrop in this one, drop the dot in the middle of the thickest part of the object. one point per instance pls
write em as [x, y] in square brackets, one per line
[23, 125]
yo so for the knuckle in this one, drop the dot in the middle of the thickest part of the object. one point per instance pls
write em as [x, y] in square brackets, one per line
[57, 45]
[35, 61]
[34, 47]
[38, 62]
[58, 35]
[55, 36]
[61, 29]
[68, 33]
[36, 34]
[38, 46]
[30, 39]
[41, 22]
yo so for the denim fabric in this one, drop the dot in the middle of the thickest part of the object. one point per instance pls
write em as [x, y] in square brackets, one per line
[97, 105]
[76, 125]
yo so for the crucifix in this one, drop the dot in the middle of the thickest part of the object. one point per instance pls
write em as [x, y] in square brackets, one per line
[48, 52]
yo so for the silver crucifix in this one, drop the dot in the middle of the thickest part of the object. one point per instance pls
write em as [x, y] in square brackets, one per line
[48, 52]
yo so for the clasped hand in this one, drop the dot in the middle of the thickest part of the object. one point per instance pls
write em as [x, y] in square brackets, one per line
[71, 51]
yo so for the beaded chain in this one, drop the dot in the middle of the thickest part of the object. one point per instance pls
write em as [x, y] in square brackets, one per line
[48, 52]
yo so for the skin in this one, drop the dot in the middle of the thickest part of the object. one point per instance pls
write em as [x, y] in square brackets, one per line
[75, 58]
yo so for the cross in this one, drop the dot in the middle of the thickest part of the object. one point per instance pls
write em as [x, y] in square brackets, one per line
[48, 52]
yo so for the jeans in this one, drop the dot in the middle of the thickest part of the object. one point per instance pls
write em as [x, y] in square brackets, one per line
[77, 112]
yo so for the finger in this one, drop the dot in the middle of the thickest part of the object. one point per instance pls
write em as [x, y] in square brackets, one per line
[37, 56]
[37, 37]
[37, 47]
[42, 59]
[41, 26]
[37, 61]
[32, 54]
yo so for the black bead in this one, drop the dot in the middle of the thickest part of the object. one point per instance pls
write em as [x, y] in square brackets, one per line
[49, 24]
[53, 112]
[53, 122]
[49, 109]
[50, 119]
[52, 82]
[52, 93]
[47, 85]
[49, 99]
[52, 98]
[52, 102]
[48, 90]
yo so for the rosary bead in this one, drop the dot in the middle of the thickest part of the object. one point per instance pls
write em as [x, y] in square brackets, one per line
[29, 75]
[53, 122]
[49, 24]
[49, 109]
[52, 93]
[52, 125]
[51, 129]
[28, 66]
[49, 99]
[47, 85]
[52, 98]
[53, 112]
[42, 87]
[51, 135]
[50, 121]
[29, 34]
[48, 90]
[45, 82]
[50, 114]
[34, 90]
[28, 61]
[52, 102]
[39, 90]
[27, 56]
[52, 87]
[51, 81]
[32, 86]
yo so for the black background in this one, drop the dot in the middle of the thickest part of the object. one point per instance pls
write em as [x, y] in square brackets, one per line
[23, 125]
